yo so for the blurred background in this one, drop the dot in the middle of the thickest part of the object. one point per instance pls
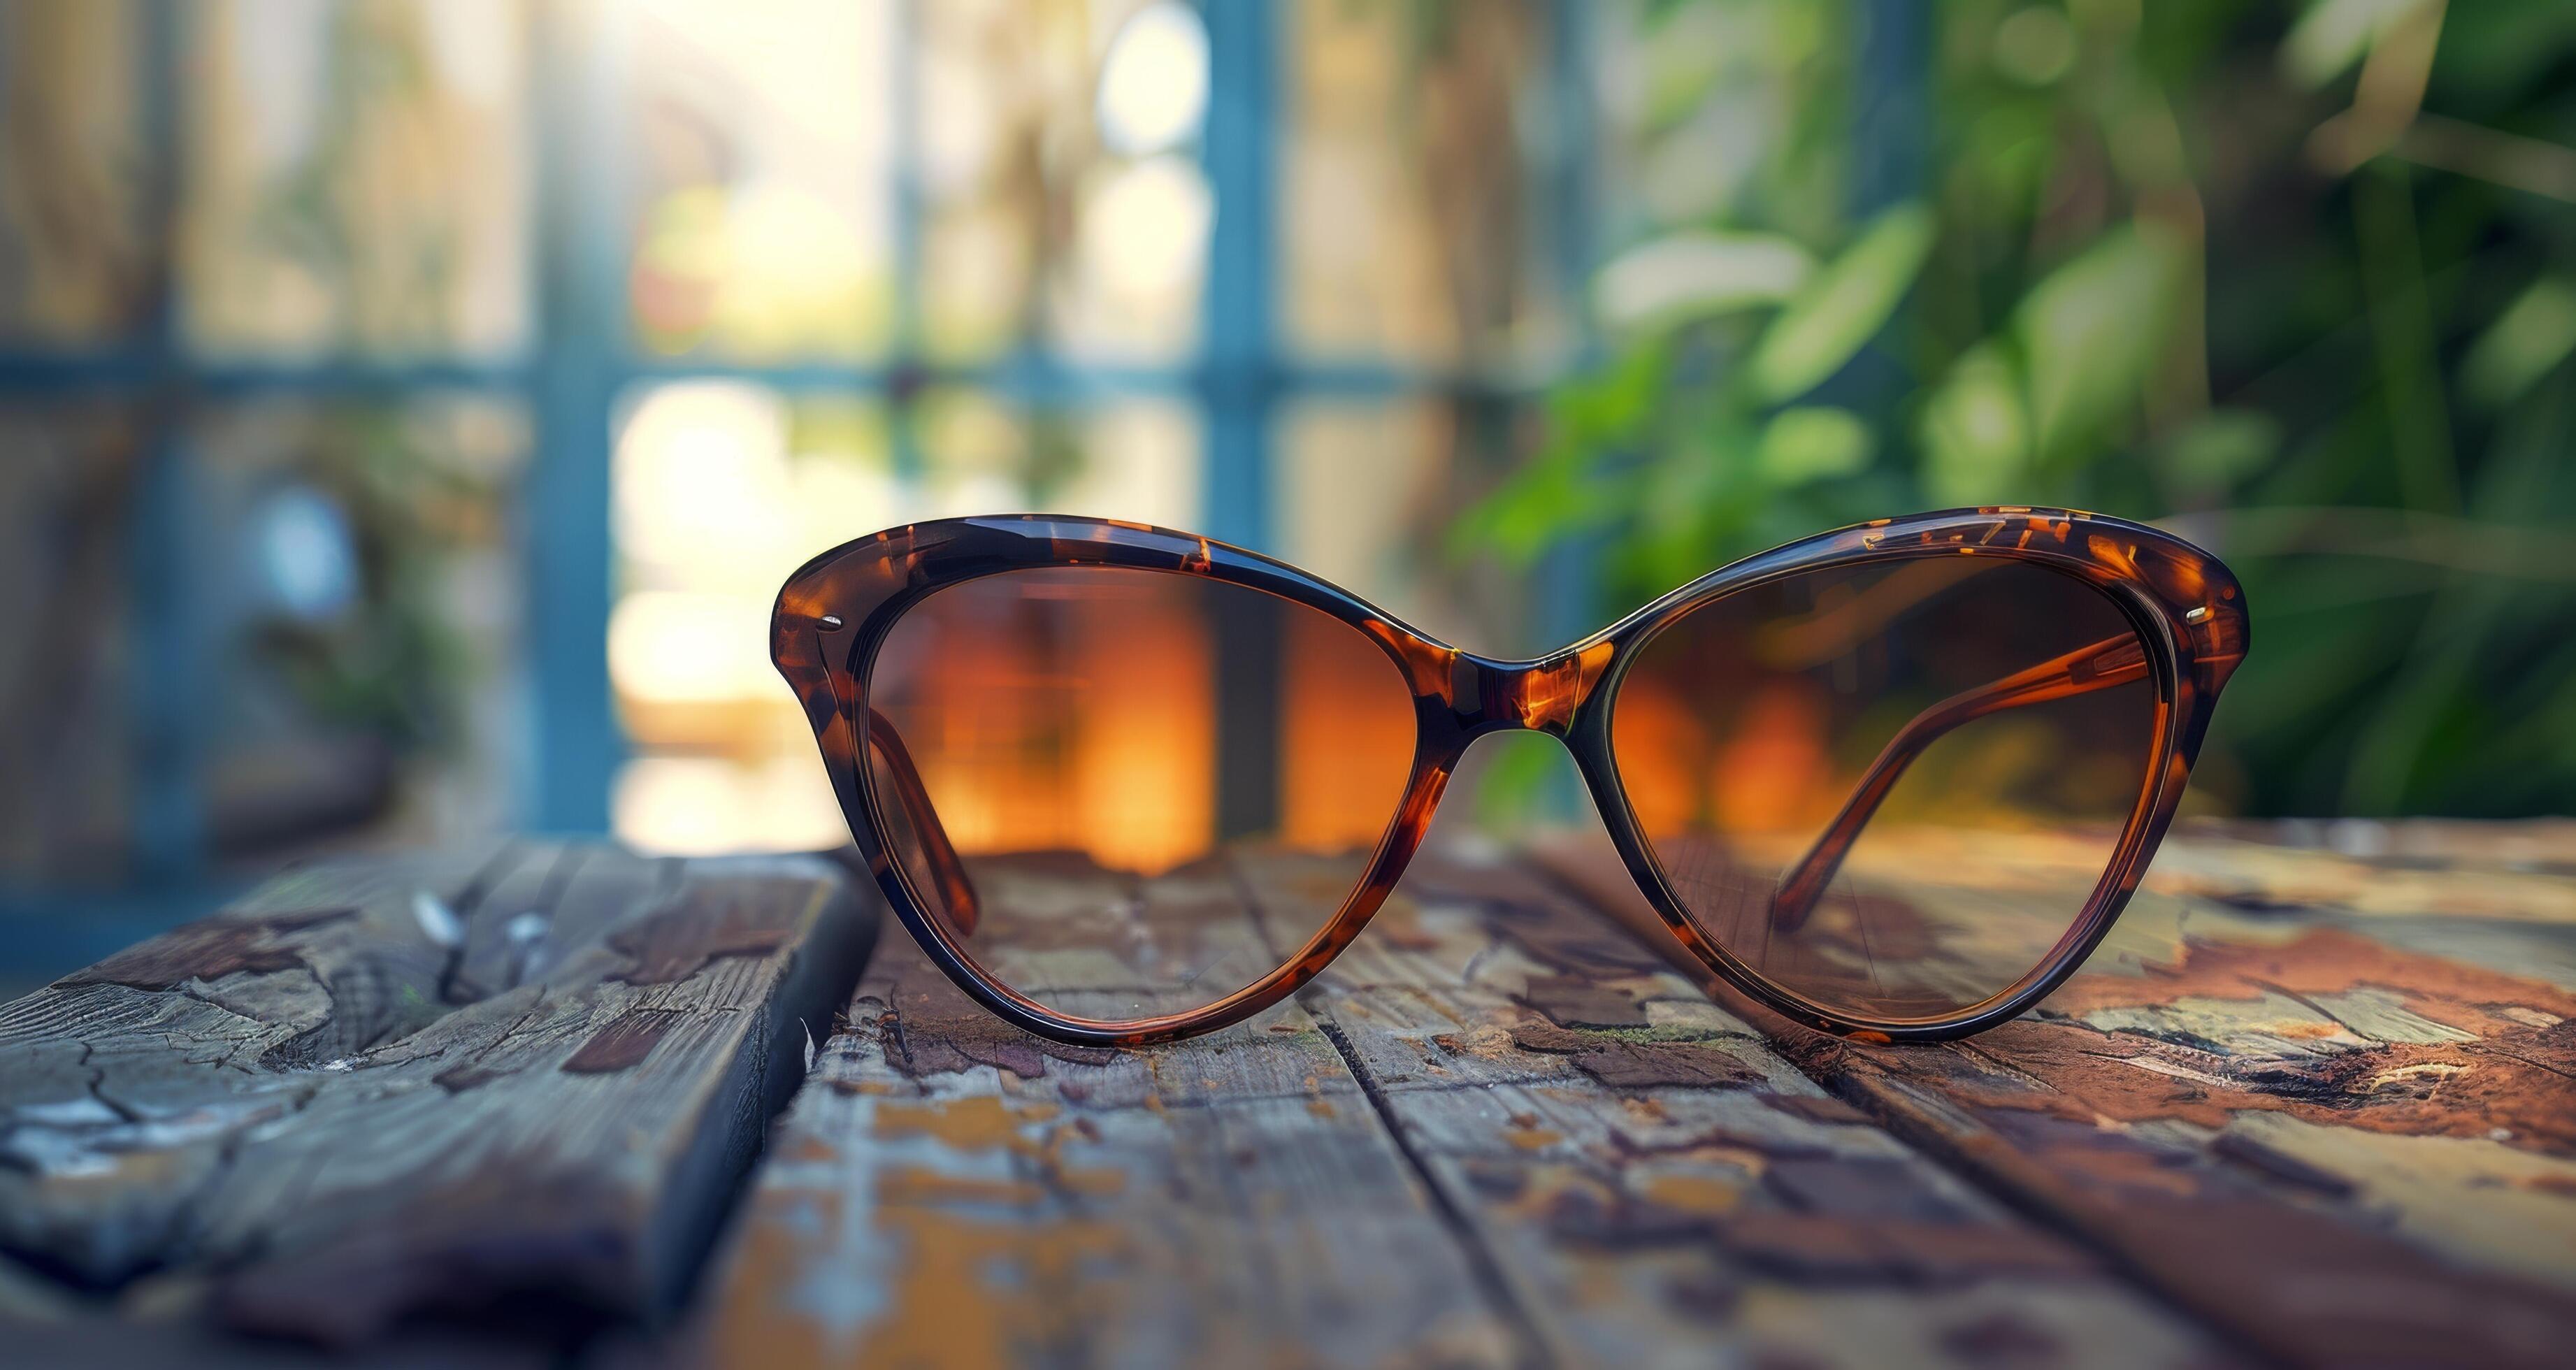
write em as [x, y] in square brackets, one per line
[408, 408]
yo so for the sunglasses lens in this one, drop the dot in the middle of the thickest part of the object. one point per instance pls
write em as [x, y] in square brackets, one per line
[1892, 788]
[1157, 787]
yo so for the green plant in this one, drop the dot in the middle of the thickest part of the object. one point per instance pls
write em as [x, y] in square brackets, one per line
[2301, 286]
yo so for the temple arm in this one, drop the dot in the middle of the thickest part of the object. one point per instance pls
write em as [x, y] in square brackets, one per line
[945, 869]
[2112, 661]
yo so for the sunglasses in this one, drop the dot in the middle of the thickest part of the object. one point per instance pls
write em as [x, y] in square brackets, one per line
[1127, 785]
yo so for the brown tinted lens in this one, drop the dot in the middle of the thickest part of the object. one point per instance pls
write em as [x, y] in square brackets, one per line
[1890, 788]
[1158, 787]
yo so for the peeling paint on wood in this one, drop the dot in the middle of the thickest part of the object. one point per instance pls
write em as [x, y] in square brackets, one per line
[210, 950]
[1100, 1206]
[1624, 1062]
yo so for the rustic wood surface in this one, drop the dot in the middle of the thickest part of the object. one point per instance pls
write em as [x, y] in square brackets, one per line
[2314, 1104]
[368, 1091]
[2322, 1099]
[1499, 1132]
[2308, 1106]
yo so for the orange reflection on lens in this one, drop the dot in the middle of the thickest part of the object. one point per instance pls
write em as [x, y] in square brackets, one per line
[1772, 768]
[1337, 757]
[1115, 756]
[1142, 705]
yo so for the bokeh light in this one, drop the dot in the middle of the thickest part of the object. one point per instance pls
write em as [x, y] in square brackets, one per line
[1154, 85]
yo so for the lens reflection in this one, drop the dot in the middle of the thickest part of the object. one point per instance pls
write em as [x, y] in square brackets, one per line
[1890, 788]
[1157, 787]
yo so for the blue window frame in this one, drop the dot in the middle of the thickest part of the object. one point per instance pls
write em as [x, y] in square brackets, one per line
[582, 360]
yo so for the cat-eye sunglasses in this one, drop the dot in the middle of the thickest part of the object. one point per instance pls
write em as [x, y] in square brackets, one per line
[1127, 785]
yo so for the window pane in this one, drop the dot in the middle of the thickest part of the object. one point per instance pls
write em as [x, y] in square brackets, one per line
[1414, 154]
[760, 136]
[723, 488]
[66, 750]
[357, 178]
[353, 589]
[1064, 205]
[73, 248]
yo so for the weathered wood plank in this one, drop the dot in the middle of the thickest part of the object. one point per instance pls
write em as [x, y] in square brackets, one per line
[1659, 1187]
[949, 1191]
[1498, 1132]
[2327, 1101]
[2317, 1101]
[372, 1090]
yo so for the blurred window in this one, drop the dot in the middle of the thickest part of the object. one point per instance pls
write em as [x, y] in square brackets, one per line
[451, 383]
[999, 217]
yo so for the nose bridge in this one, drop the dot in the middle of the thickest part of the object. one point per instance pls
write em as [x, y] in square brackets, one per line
[1491, 696]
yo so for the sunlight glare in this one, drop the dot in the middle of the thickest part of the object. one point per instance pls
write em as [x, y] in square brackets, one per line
[1154, 84]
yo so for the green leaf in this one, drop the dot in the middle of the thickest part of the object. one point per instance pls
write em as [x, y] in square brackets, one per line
[1547, 500]
[2526, 342]
[1687, 481]
[2091, 332]
[1975, 435]
[1843, 306]
[1693, 275]
[1626, 395]
[1814, 443]
[1559, 493]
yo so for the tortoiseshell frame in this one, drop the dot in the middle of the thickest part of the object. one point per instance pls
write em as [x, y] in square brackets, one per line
[833, 614]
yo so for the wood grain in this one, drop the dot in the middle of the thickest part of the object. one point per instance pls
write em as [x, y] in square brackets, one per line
[2323, 1097]
[2314, 1103]
[368, 1091]
[1498, 1132]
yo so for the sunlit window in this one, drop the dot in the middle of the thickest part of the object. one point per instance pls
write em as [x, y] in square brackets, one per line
[416, 316]
[1055, 153]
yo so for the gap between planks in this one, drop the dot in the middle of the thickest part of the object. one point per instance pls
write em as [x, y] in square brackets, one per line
[1538, 1347]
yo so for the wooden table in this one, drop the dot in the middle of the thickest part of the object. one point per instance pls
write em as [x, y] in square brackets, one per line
[2314, 1103]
